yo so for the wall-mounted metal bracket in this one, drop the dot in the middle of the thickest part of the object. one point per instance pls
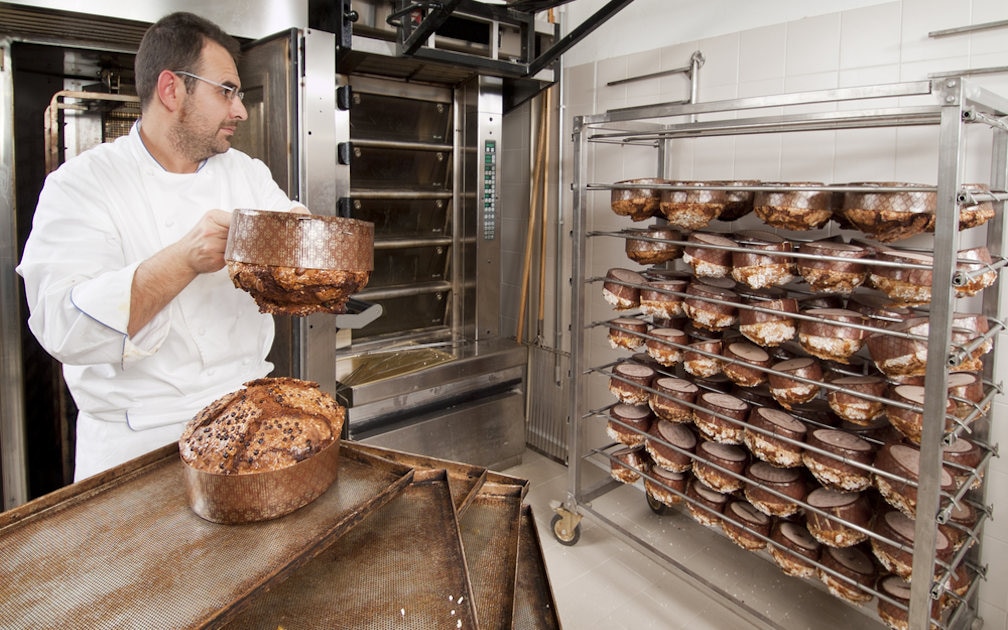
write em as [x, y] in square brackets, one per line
[417, 21]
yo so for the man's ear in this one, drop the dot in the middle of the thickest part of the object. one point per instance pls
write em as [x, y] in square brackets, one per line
[170, 90]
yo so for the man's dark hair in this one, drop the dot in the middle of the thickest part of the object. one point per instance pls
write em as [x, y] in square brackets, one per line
[174, 43]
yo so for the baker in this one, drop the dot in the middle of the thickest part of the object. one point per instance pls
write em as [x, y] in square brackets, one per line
[124, 267]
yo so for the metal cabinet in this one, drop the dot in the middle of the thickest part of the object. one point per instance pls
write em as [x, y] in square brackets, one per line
[952, 106]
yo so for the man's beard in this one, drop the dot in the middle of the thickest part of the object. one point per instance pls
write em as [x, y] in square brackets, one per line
[187, 138]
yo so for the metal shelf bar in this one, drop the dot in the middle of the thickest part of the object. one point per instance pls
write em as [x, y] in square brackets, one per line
[396, 292]
[758, 102]
[402, 144]
[361, 193]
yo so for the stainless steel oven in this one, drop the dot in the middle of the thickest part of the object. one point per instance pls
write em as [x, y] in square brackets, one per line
[416, 157]
[432, 374]
[411, 146]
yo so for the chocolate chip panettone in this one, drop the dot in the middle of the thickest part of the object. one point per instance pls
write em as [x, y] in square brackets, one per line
[271, 423]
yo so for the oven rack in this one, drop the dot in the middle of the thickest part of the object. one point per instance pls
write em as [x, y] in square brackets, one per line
[984, 511]
[949, 499]
[959, 102]
[959, 278]
[965, 196]
[989, 450]
[957, 349]
[604, 459]
[959, 424]
[979, 408]
[947, 567]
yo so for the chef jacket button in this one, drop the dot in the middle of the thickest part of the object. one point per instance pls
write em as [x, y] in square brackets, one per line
[201, 332]
[210, 372]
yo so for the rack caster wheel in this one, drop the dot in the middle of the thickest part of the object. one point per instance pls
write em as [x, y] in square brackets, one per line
[656, 506]
[566, 528]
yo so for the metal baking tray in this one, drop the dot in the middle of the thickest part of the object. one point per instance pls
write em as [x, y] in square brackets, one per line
[534, 606]
[490, 529]
[124, 549]
[464, 480]
[402, 567]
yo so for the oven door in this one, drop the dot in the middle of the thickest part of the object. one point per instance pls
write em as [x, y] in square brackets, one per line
[403, 179]
[294, 126]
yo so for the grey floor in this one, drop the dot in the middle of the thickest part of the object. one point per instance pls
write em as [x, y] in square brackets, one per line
[604, 582]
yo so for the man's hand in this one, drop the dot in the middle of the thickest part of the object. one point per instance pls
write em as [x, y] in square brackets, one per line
[203, 247]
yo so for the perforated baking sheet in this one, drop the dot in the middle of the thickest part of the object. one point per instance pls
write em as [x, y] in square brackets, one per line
[402, 567]
[534, 606]
[490, 528]
[465, 480]
[124, 550]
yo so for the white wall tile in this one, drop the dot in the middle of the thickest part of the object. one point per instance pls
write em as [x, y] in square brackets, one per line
[762, 52]
[609, 104]
[716, 160]
[865, 155]
[997, 83]
[811, 83]
[999, 410]
[994, 617]
[758, 157]
[997, 495]
[977, 141]
[721, 60]
[639, 162]
[996, 585]
[876, 75]
[916, 155]
[920, 17]
[579, 87]
[643, 90]
[870, 36]
[807, 156]
[676, 87]
[680, 159]
[922, 69]
[709, 93]
[992, 41]
[807, 82]
[813, 45]
[761, 87]
[677, 55]
[983, 11]
[609, 70]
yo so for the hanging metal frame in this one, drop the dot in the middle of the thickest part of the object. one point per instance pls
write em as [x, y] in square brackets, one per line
[416, 21]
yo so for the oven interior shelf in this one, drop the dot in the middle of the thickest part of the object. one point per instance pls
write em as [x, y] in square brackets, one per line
[926, 415]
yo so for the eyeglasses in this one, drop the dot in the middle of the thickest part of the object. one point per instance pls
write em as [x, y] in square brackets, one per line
[229, 91]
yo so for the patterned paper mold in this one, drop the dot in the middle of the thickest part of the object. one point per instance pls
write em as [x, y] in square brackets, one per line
[298, 264]
[306, 241]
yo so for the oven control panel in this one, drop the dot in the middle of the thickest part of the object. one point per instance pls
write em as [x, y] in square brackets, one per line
[489, 190]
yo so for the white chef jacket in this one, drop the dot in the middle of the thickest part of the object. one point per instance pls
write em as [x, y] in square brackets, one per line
[98, 216]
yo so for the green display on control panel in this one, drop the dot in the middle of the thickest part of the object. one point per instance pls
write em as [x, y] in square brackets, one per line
[490, 190]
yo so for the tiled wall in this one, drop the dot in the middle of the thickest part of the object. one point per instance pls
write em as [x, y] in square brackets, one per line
[877, 44]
